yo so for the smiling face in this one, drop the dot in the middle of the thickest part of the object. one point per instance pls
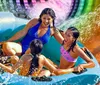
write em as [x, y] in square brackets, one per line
[68, 37]
[46, 20]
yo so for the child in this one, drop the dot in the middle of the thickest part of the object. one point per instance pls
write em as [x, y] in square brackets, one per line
[70, 51]
[33, 63]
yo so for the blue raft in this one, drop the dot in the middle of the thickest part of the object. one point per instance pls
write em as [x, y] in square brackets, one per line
[9, 25]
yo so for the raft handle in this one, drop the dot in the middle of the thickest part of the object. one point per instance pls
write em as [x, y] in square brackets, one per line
[81, 71]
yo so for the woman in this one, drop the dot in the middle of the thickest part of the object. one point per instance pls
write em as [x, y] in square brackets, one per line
[33, 63]
[70, 51]
[41, 28]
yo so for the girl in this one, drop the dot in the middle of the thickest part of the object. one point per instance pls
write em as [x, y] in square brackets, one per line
[70, 51]
[41, 28]
[33, 63]
[69, 54]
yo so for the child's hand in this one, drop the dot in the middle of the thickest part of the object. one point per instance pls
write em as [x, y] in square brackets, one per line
[78, 68]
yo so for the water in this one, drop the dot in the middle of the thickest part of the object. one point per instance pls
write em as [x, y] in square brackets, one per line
[89, 27]
[83, 80]
[87, 24]
[9, 79]
[20, 9]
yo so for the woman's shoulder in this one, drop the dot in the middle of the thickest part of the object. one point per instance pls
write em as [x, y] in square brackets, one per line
[33, 21]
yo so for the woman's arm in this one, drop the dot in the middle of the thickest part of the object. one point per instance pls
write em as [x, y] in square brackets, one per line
[24, 31]
[58, 36]
[53, 69]
[83, 55]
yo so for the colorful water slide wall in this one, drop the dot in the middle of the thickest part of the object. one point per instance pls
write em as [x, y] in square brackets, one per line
[78, 7]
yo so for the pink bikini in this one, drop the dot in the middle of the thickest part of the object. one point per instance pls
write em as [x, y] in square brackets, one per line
[65, 54]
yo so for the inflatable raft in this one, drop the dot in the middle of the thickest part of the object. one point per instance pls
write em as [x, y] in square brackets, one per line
[9, 25]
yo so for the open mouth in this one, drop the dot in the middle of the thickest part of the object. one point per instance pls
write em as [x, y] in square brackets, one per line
[65, 41]
[46, 24]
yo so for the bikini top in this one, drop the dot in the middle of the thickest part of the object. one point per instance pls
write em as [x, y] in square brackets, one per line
[65, 54]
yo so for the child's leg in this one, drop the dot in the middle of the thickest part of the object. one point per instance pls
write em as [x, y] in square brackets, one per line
[10, 49]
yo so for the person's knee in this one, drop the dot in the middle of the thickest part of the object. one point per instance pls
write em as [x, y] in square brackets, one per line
[6, 45]
[7, 49]
[4, 48]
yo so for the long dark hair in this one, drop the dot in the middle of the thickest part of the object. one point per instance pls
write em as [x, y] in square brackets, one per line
[36, 48]
[50, 12]
[75, 35]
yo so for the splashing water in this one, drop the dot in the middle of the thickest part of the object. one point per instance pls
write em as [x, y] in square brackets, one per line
[90, 32]
[14, 79]
[61, 8]
[89, 27]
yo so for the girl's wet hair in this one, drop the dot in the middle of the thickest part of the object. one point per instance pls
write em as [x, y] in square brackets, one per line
[36, 47]
[75, 35]
[74, 31]
[50, 12]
